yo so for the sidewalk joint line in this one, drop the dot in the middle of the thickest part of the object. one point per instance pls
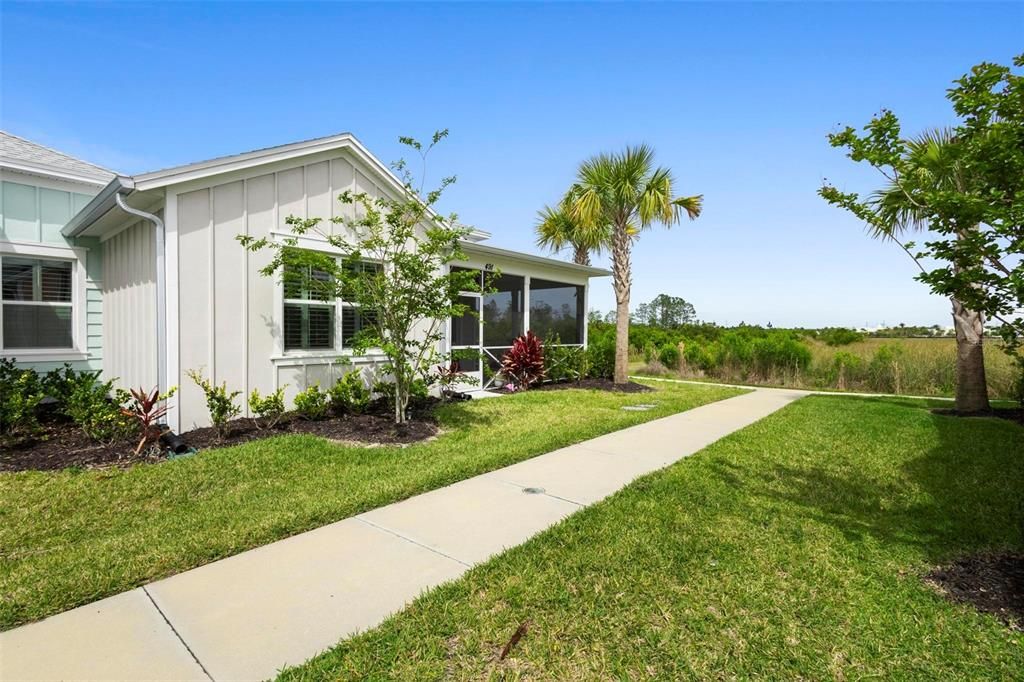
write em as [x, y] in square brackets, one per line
[410, 540]
[178, 634]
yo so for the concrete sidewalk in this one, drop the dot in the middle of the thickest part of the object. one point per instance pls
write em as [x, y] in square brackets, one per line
[248, 616]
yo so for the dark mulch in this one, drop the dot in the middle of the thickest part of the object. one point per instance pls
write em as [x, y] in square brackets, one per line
[62, 444]
[991, 582]
[1014, 414]
[597, 385]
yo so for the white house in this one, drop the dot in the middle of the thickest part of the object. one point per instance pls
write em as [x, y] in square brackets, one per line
[178, 292]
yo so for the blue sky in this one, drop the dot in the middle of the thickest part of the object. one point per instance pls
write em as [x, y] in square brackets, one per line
[736, 98]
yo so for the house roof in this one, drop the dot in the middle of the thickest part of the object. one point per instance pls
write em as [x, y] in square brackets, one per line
[472, 248]
[24, 155]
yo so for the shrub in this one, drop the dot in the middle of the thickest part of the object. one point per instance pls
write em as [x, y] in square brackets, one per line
[20, 395]
[669, 356]
[350, 394]
[90, 406]
[312, 403]
[839, 336]
[450, 375]
[145, 410]
[779, 352]
[845, 366]
[523, 363]
[562, 363]
[60, 383]
[600, 356]
[885, 369]
[699, 357]
[268, 409]
[219, 402]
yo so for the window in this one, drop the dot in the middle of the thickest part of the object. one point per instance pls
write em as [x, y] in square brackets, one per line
[556, 310]
[311, 315]
[37, 303]
[308, 310]
[503, 311]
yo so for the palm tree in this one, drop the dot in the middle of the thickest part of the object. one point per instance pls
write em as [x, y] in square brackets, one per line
[628, 194]
[557, 229]
[936, 166]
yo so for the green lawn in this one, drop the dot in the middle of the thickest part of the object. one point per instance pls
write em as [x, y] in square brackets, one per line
[792, 549]
[71, 537]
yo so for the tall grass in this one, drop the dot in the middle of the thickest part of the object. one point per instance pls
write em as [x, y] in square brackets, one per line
[917, 366]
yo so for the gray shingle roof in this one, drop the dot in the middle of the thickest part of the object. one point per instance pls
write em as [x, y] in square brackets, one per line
[23, 153]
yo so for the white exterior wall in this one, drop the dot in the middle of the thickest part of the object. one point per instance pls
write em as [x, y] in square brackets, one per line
[228, 315]
[129, 298]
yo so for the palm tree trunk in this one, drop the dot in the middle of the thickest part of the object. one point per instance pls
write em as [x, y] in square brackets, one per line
[621, 281]
[971, 387]
[581, 255]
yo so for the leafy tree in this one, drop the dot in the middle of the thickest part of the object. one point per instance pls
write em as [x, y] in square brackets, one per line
[671, 311]
[407, 300]
[558, 228]
[974, 213]
[628, 193]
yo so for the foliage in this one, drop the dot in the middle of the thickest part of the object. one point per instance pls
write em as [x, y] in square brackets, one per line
[219, 401]
[145, 410]
[350, 394]
[312, 403]
[559, 228]
[629, 194]
[885, 369]
[407, 301]
[563, 363]
[450, 375]
[779, 352]
[669, 356]
[665, 311]
[90, 406]
[844, 366]
[839, 336]
[600, 355]
[269, 409]
[523, 363]
[20, 394]
[976, 223]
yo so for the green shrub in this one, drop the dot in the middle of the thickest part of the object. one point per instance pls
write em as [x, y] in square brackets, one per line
[60, 383]
[20, 394]
[350, 394]
[219, 402]
[845, 369]
[885, 371]
[601, 353]
[268, 409]
[90, 406]
[779, 352]
[839, 336]
[312, 403]
[669, 356]
[699, 357]
[562, 363]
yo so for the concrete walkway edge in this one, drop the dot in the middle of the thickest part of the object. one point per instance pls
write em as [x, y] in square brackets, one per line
[248, 616]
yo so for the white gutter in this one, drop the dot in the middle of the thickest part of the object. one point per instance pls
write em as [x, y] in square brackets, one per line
[161, 289]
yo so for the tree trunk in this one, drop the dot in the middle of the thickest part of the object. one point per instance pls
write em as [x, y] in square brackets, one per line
[581, 255]
[621, 281]
[971, 387]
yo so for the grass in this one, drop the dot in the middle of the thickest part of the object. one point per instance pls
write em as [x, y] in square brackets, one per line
[70, 537]
[792, 549]
[920, 366]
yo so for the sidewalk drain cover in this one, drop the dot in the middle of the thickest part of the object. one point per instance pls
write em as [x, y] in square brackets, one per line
[533, 491]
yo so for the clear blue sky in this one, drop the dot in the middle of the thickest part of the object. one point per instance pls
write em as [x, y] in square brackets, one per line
[736, 98]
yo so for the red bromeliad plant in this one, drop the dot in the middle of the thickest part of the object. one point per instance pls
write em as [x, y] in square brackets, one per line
[523, 363]
[145, 409]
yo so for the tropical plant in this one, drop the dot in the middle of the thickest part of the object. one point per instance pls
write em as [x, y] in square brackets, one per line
[20, 394]
[95, 407]
[269, 409]
[559, 228]
[629, 194]
[450, 375]
[406, 302]
[312, 403]
[219, 402]
[523, 363]
[350, 394]
[146, 411]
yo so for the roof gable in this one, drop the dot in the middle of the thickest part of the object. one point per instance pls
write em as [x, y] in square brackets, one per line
[24, 155]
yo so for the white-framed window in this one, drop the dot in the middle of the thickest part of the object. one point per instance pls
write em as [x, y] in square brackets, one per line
[42, 300]
[314, 322]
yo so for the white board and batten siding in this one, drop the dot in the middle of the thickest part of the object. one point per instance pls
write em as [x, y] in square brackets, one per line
[129, 293]
[229, 315]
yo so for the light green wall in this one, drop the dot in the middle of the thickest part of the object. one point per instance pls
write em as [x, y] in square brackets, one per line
[37, 214]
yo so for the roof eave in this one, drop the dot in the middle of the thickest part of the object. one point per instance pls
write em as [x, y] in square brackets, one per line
[485, 249]
[99, 206]
[51, 171]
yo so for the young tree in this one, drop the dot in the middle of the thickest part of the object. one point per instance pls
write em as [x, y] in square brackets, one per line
[975, 215]
[406, 299]
[671, 311]
[629, 194]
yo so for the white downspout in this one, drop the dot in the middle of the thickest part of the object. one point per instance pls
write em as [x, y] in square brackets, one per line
[161, 290]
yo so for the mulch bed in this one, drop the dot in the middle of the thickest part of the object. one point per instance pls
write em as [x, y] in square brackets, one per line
[1013, 414]
[991, 582]
[597, 385]
[63, 445]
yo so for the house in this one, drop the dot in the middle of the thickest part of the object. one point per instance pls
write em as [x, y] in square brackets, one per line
[177, 292]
